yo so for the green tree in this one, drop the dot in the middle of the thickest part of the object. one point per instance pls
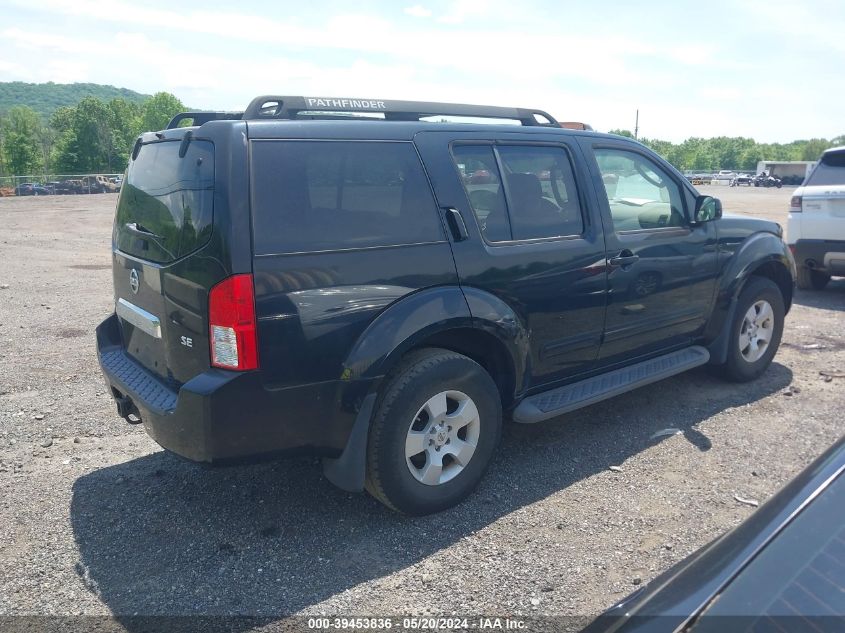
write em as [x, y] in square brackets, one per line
[157, 111]
[813, 148]
[62, 119]
[21, 147]
[84, 137]
[125, 126]
[94, 136]
[626, 133]
[92, 126]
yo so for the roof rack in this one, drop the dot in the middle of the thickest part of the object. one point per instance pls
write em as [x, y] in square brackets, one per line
[268, 107]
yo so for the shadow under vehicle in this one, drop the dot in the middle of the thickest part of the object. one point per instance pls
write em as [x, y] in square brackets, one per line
[160, 538]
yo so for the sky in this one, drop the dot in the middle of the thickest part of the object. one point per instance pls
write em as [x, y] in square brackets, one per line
[772, 70]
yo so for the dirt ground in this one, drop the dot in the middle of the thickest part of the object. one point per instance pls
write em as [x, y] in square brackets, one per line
[96, 519]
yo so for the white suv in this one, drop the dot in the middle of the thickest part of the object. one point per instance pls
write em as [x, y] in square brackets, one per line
[816, 227]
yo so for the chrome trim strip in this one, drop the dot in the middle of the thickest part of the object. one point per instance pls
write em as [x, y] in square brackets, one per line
[138, 317]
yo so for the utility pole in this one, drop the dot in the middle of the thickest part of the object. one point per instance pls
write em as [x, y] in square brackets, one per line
[637, 125]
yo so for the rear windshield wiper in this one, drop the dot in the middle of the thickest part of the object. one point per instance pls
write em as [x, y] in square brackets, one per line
[138, 229]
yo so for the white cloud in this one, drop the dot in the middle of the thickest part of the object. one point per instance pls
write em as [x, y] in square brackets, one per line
[568, 63]
[418, 11]
[463, 9]
[32, 40]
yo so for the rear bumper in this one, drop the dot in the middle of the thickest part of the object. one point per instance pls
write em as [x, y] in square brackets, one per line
[825, 255]
[225, 416]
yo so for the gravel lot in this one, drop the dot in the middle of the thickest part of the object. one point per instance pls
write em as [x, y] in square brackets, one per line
[96, 519]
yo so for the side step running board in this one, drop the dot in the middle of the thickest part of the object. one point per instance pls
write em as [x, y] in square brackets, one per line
[550, 404]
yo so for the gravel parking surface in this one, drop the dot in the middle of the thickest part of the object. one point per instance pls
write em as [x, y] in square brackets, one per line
[96, 519]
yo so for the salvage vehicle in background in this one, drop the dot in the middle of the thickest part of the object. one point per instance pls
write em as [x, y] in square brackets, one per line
[68, 187]
[97, 184]
[31, 189]
[816, 224]
[320, 275]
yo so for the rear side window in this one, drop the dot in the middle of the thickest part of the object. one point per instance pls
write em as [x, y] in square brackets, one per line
[541, 192]
[332, 195]
[537, 183]
[829, 171]
[165, 206]
[483, 185]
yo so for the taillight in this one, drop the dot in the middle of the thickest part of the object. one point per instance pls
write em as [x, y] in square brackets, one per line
[232, 324]
[795, 204]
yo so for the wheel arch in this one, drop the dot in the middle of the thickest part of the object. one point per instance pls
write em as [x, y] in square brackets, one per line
[778, 272]
[761, 255]
[485, 349]
[491, 335]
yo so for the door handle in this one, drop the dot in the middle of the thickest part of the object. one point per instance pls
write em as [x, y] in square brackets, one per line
[456, 224]
[624, 259]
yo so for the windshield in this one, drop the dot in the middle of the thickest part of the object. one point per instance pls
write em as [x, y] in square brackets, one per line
[829, 171]
[165, 206]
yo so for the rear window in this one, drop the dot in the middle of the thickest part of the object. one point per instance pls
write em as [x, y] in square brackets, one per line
[165, 206]
[829, 171]
[332, 195]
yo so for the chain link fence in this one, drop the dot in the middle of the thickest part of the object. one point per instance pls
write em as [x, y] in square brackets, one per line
[59, 184]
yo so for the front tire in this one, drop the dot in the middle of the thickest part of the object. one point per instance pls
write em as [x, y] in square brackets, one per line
[434, 432]
[756, 331]
[809, 279]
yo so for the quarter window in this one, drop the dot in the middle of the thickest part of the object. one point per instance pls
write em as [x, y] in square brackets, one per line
[330, 195]
[641, 194]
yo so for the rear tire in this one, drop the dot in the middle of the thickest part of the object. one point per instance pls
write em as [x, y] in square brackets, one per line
[756, 331]
[435, 429]
[809, 279]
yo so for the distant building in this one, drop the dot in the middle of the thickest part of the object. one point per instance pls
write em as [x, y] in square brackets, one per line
[792, 169]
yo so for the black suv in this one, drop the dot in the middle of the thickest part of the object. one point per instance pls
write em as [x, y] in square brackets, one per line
[360, 280]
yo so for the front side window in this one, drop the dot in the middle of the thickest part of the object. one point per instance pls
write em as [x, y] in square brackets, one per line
[641, 194]
[336, 195]
[533, 196]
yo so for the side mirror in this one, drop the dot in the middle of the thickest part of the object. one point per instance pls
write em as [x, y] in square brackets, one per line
[707, 209]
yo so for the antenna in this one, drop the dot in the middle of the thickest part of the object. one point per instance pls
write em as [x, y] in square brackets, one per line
[637, 125]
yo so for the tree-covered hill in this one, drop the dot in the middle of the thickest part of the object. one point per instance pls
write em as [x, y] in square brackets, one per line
[46, 98]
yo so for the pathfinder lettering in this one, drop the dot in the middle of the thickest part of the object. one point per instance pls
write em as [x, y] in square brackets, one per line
[345, 103]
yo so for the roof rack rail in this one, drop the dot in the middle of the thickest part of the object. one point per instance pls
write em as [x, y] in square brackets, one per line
[287, 107]
[199, 118]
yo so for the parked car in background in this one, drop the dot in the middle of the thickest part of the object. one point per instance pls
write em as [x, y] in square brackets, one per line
[117, 182]
[31, 189]
[783, 569]
[742, 180]
[816, 223]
